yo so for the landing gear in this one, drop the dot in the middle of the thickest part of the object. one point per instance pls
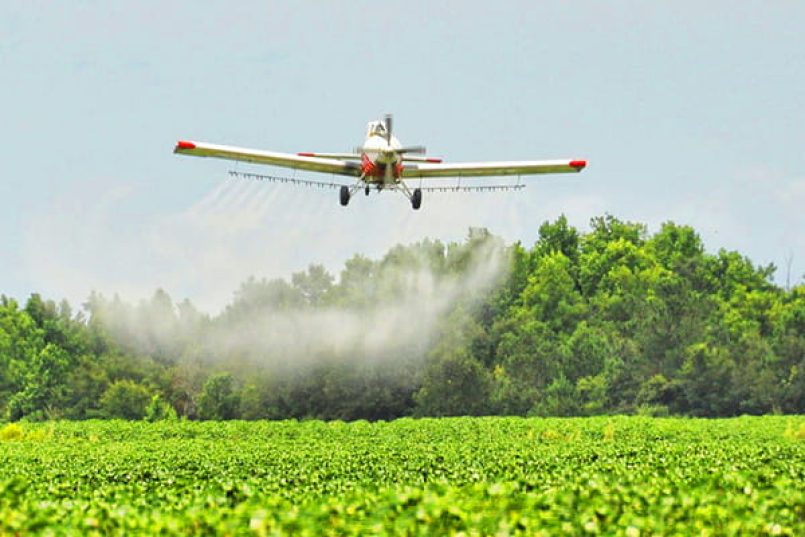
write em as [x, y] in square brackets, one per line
[416, 199]
[414, 196]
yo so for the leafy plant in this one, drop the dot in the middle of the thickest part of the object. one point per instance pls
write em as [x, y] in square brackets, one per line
[478, 476]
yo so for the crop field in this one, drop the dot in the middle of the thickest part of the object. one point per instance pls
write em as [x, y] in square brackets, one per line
[473, 476]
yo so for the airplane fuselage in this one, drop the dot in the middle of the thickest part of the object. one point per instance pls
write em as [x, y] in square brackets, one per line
[380, 160]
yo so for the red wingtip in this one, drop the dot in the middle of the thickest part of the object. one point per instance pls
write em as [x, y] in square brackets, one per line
[578, 164]
[434, 160]
[306, 154]
[181, 144]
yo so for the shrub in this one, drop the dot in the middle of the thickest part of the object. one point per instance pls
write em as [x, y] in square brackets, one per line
[158, 410]
[125, 399]
[11, 432]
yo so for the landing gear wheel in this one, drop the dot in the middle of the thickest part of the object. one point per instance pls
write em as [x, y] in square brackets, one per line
[416, 199]
[344, 195]
[366, 190]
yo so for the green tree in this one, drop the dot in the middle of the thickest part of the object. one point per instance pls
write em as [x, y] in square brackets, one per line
[20, 342]
[357, 283]
[592, 394]
[610, 320]
[125, 399]
[558, 237]
[611, 243]
[551, 294]
[43, 386]
[57, 325]
[529, 356]
[658, 394]
[587, 350]
[313, 284]
[85, 384]
[219, 400]
[454, 385]
[680, 250]
[156, 328]
[159, 410]
[560, 399]
[251, 404]
[706, 381]
[789, 346]
[255, 297]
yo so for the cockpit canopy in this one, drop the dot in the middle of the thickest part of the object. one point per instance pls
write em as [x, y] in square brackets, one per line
[376, 128]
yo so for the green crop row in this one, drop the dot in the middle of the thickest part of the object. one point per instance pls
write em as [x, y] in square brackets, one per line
[483, 476]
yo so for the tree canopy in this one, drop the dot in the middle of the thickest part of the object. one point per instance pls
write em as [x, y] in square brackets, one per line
[612, 320]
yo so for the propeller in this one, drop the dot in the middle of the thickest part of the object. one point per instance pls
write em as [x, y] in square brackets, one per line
[388, 128]
[413, 149]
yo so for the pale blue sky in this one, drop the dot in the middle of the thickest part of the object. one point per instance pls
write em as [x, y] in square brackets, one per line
[687, 111]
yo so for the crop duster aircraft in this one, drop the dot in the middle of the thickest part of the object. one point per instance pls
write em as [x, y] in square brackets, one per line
[381, 163]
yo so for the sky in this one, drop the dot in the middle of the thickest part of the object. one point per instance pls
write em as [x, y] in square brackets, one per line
[687, 111]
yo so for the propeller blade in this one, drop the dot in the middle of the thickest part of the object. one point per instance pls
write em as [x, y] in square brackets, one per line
[413, 149]
[388, 128]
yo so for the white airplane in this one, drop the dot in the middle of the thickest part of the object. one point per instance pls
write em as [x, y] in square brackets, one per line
[381, 162]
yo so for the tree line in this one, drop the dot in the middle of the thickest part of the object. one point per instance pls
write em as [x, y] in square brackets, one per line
[612, 320]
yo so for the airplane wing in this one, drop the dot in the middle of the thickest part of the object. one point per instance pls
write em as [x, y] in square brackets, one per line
[336, 156]
[480, 169]
[285, 160]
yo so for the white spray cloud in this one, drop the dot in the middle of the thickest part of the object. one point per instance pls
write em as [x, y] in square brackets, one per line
[406, 319]
[388, 314]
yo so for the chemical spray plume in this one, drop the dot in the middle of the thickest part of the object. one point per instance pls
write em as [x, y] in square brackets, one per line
[395, 309]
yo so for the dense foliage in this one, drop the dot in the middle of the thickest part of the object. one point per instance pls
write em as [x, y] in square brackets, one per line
[612, 320]
[482, 476]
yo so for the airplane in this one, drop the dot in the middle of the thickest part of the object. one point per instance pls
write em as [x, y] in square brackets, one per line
[382, 162]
